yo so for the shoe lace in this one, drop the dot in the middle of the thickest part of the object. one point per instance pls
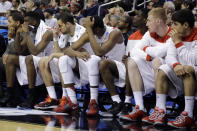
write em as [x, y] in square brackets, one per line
[160, 115]
[180, 119]
[154, 115]
[48, 99]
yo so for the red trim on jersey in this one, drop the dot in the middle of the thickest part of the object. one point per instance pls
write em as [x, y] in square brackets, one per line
[148, 58]
[161, 39]
[179, 44]
[192, 36]
[175, 64]
[144, 49]
[136, 36]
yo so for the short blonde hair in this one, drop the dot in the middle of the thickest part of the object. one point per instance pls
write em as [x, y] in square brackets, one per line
[159, 13]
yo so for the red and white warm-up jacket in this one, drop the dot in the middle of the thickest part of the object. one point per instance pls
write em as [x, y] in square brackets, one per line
[151, 46]
[133, 40]
[185, 52]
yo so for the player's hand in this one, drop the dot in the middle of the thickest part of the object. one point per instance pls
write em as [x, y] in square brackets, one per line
[125, 57]
[11, 32]
[175, 36]
[56, 32]
[179, 70]
[83, 55]
[25, 27]
[89, 22]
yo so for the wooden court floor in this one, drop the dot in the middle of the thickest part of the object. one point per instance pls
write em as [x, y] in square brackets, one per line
[21, 126]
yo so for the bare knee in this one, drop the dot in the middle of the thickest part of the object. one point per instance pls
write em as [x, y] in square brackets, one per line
[161, 75]
[189, 69]
[12, 59]
[41, 64]
[103, 65]
[131, 65]
[29, 59]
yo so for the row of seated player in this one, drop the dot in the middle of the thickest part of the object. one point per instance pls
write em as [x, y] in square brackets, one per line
[96, 52]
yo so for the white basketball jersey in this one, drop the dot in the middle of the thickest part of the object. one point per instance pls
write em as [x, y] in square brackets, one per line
[62, 40]
[79, 30]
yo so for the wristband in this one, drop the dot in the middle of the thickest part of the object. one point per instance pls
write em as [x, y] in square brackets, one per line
[175, 64]
[144, 49]
[148, 58]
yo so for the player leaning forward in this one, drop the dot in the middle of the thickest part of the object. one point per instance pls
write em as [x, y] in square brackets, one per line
[105, 42]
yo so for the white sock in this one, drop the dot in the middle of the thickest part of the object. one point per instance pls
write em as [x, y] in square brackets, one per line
[94, 94]
[116, 98]
[139, 99]
[51, 92]
[161, 101]
[189, 105]
[72, 95]
[128, 99]
[64, 92]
